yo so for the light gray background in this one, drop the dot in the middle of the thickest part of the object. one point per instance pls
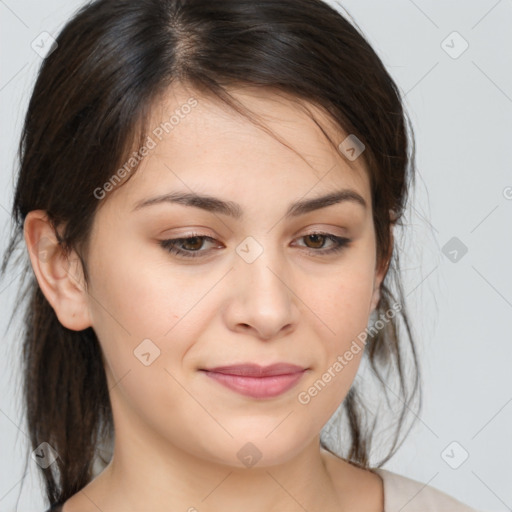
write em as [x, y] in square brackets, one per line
[461, 109]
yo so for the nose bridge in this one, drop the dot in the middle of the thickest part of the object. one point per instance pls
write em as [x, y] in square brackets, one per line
[263, 286]
[263, 262]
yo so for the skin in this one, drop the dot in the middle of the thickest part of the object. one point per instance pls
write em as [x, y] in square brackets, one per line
[178, 431]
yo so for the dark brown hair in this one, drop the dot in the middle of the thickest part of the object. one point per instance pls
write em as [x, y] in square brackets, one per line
[90, 107]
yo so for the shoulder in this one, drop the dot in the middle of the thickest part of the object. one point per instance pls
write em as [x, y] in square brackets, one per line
[408, 495]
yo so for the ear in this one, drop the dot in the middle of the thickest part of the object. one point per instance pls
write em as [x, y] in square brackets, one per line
[60, 276]
[381, 273]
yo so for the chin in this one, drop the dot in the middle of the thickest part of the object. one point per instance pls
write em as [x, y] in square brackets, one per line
[245, 451]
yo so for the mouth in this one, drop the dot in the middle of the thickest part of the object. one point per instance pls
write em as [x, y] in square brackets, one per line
[257, 381]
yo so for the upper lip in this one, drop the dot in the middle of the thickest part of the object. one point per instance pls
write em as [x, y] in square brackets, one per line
[255, 370]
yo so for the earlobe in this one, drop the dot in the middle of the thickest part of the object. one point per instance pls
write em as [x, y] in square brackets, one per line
[59, 275]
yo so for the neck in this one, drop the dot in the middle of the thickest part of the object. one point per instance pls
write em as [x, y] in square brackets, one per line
[143, 476]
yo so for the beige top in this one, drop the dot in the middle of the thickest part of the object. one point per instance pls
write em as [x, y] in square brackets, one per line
[402, 494]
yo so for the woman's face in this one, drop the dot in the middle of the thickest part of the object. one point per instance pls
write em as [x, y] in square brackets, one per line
[252, 285]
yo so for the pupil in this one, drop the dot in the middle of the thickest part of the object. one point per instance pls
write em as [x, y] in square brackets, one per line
[190, 241]
[317, 237]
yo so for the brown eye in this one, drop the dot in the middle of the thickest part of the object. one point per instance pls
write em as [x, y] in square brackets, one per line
[317, 239]
[316, 243]
[187, 247]
[193, 243]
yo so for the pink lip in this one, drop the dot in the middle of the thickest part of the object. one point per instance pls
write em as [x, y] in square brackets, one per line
[257, 381]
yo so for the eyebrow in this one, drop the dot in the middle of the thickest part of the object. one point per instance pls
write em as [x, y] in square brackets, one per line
[232, 209]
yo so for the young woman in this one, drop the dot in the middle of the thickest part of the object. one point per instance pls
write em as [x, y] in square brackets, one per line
[208, 193]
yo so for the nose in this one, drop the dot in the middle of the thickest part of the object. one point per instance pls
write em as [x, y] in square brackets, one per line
[262, 301]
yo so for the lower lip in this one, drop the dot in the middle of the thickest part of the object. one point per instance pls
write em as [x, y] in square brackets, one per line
[258, 387]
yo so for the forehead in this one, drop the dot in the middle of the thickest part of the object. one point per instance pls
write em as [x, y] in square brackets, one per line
[197, 142]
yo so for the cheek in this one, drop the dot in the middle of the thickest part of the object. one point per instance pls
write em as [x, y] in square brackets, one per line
[345, 306]
[322, 394]
[152, 396]
[135, 293]
[342, 300]
[144, 311]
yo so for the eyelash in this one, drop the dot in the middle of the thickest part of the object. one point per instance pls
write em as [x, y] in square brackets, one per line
[170, 245]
